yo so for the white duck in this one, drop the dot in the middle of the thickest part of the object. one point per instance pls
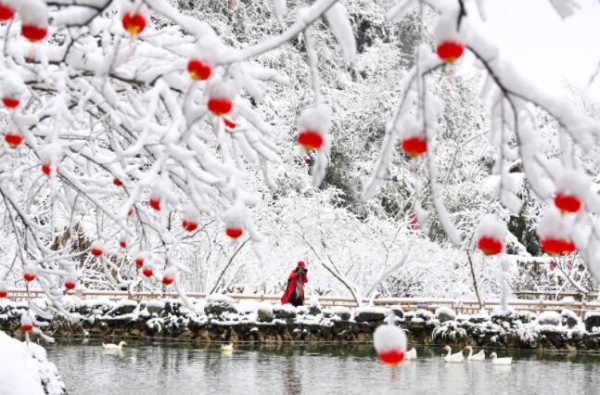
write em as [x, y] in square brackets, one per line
[458, 357]
[480, 356]
[500, 361]
[411, 354]
[110, 346]
[227, 348]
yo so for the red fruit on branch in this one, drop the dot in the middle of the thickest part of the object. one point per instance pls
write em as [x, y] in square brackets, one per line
[11, 102]
[28, 276]
[139, 262]
[70, 284]
[567, 203]
[198, 70]
[13, 140]
[154, 204]
[219, 106]
[34, 33]
[3, 293]
[557, 246]
[229, 123]
[117, 182]
[97, 252]
[134, 24]
[6, 13]
[391, 358]
[46, 169]
[168, 280]
[190, 226]
[234, 233]
[310, 140]
[490, 246]
[414, 146]
[130, 212]
[123, 244]
[27, 326]
[147, 272]
[450, 51]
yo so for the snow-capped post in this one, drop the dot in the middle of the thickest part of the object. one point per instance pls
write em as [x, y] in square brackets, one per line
[390, 342]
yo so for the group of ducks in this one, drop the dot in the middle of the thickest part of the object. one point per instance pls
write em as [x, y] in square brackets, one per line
[480, 356]
[225, 348]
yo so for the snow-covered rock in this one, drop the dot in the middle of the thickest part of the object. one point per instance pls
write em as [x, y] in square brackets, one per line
[592, 320]
[569, 318]
[25, 370]
[343, 312]
[370, 314]
[217, 304]
[444, 314]
[286, 311]
[265, 312]
[549, 318]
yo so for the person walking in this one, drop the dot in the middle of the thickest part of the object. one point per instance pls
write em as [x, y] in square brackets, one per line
[294, 293]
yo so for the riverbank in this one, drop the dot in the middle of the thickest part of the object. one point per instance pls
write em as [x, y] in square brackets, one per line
[219, 319]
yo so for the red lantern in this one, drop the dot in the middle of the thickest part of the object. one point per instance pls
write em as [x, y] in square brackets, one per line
[148, 272]
[10, 102]
[414, 146]
[117, 182]
[198, 70]
[34, 33]
[28, 276]
[190, 226]
[450, 51]
[6, 13]
[229, 123]
[220, 106]
[155, 204]
[97, 251]
[134, 24]
[391, 358]
[234, 233]
[13, 140]
[26, 326]
[567, 203]
[490, 245]
[70, 284]
[310, 140]
[139, 262]
[168, 280]
[557, 246]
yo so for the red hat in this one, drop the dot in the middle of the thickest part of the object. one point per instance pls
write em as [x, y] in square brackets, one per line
[301, 264]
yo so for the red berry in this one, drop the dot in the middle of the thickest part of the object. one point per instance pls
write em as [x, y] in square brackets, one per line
[29, 277]
[13, 140]
[392, 358]
[147, 272]
[27, 327]
[11, 103]
[567, 203]
[310, 140]
[490, 246]
[3, 294]
[46, 169]
[34, 33]
[70, 285]
[97, 252]
[6, 12]
[414, 146]
[123, 243]
[557, 246]
[229, 123]
[450, 51]
[155, 204]
[220, 106]
[139, 262]
[135, 24]
[190, 226]
[234, 233]
[117, 182]
[168, 280]
[199, 71]
[130, 212]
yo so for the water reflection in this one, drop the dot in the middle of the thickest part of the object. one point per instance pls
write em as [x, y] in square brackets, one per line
[159, 369]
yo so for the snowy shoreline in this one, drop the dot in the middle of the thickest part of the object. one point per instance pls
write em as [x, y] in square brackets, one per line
[219, 319]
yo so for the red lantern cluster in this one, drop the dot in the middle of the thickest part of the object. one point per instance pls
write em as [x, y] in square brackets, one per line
[219, 106]
[557, 246]
[567, 203]
[10, 102]
[134, 24]
[190, 226]
[490, 245]
[310, 140]
[234, 233]
[198, 71]
[450, 51]
[414, 146]
[34, 33]
[13, 140]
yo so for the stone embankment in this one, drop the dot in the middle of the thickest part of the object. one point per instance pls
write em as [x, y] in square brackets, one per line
[220, 319]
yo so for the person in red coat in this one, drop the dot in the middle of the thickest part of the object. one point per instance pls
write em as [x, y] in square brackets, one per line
[294, 293]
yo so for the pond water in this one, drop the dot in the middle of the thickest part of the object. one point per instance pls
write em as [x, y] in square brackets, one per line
[165, 369]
